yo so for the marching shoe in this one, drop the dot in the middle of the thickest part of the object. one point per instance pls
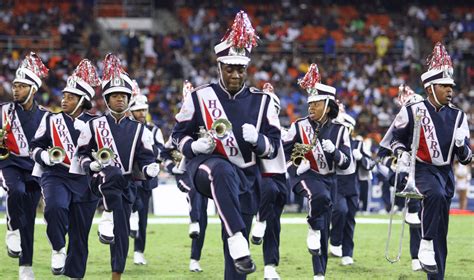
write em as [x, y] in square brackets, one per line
[240, 253]
[346, 260]
[313, 241]
[194, 266]
[134, 225]
[258, 231]
[26, 273]
[412, 219]
[415, 265]
[106, 228]
[426, 256]
[58, 260]
[318, 277]
[270, 273]
[13, 241]
[139, 258]
[336, 251]
[194, 230]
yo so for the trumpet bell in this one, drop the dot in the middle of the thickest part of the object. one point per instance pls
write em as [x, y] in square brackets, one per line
[104, 156]
[4, 152]
[410, 190]
[221, 128]
[56, 154]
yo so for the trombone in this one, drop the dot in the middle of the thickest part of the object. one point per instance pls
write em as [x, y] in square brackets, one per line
[56, 154]
[409, 192]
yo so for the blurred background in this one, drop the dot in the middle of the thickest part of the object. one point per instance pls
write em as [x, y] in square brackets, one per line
[365, 50]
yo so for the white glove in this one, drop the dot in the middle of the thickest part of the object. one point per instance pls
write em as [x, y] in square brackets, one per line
[459, 137]
[202, 146]
[328, 146]
[95, 166]
[357, 154]
[250, 134]
[176, 170]
[303, 167]
[45, 158]
[403, 164]
[153, 169]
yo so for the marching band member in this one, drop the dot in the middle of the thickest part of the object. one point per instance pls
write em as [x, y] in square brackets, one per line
[364, 166]
[139, 216]
[326, 146]
[69, 203]
[223, 163]
[20, 120]
[444, 134]
[346, 201]
[108, 149]
[273, 194]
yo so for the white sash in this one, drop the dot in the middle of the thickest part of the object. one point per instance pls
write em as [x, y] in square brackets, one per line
[316, 158]
[18, 144]
[61, 137]
[212, 109]
[429, 149]
[104, 139]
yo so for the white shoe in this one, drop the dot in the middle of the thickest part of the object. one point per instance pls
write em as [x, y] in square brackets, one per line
[412, 219]
[13, 241]
[258, 231]
[313, 241]
[194, 266]
[336, 251]
[346, 260]
[134, 224]
[139, 258]
[318, 277]
[194, 230]
[426, 256]
[26, 273]
[415, 265]
[270, 273]
[106, 228]
[58, 260]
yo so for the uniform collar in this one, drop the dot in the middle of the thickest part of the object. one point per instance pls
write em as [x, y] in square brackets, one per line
[434, 107]
[230, 96]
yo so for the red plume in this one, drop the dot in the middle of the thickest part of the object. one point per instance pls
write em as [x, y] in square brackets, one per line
[87, 72]
[267, 87]
[135, 88]
[33, 62]
[241, 34]
[311, 78]
[112, 67]
[439, 59]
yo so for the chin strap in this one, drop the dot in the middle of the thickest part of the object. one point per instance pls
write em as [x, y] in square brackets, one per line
[434, 95]
[30, 93]
[77, 106]
[324, 111]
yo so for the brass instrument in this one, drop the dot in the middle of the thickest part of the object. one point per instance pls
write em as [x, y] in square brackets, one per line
[221, 128]
[176, 156]
[103, 156]
[56, 154]
[410, 190]
[4, 151]
[300, 150]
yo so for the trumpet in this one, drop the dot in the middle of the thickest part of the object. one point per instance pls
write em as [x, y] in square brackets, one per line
[221, 128]
[103, 156]
[176, 156]
[4, 151]
[300, 150]
[56, 154]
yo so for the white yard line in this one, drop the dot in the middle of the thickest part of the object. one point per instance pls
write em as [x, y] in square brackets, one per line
[178, 221]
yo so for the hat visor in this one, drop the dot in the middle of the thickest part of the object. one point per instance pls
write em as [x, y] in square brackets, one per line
[315, 98]
[77, 92]
[138, 107]
[234, 60]
[443, 81]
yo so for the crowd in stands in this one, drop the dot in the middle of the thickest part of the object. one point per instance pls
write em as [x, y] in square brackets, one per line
[365, 51]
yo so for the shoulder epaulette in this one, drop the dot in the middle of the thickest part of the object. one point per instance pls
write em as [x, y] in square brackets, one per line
[412, 103]
[42, 108]
[451, 105]
[256, 90]
[200, 87]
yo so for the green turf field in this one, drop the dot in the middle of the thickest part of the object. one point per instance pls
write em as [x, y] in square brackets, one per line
[168, 250]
